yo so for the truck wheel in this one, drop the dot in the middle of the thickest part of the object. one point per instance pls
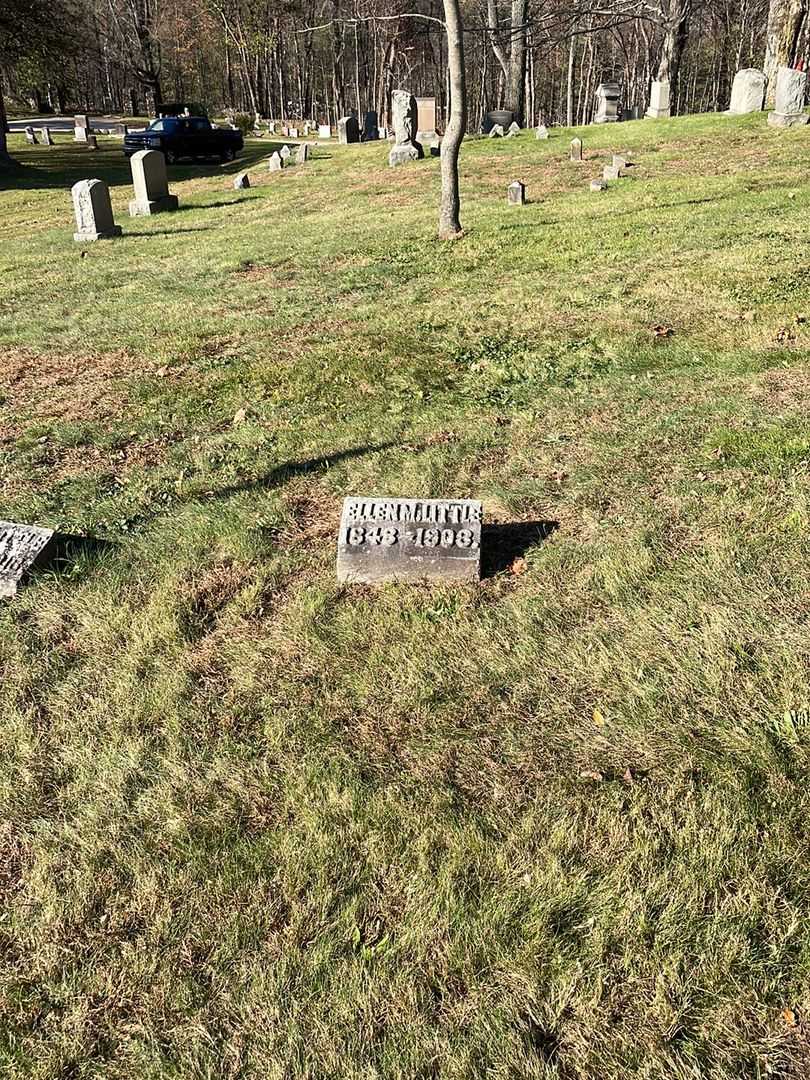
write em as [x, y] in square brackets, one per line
[227, 155]
[171, 157]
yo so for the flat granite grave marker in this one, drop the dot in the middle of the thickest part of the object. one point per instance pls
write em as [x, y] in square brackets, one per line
[409, 540]
[21, 547]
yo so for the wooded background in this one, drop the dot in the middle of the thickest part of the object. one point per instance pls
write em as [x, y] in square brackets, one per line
[319, 59]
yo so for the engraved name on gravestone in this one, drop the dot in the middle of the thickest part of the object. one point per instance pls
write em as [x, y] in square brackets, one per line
[20, 548]
[409, 540]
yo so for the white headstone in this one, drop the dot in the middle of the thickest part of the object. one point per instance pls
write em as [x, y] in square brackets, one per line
[302, 153]
[81, 127]
[285, 152]
[324, 131]
[541, 132]
[576, 149]
[658, 108]
[241, 180]
[30, 136]
[748, 92]
[496, 132]
[514, 128]
[47, 138]
[275, 162]
[791, 91]
[516, 193]
[93, 210]
[151, 184]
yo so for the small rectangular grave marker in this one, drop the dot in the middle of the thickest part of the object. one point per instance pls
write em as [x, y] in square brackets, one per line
[21, 546]
[409, 540]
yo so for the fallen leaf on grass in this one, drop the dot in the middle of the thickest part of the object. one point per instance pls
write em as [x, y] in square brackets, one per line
[590, 774]
[663, 331]
[239, 416]
[519, 566]
[789, 1016]
[627, 776]
[598, 718]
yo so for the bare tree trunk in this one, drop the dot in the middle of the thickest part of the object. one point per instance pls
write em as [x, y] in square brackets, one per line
[786, 19]
[449, 220]
[6, 160]
[517, 60]
[676, 33]
[569, 87]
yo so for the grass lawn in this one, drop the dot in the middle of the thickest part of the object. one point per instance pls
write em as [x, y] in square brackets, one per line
[258, 825]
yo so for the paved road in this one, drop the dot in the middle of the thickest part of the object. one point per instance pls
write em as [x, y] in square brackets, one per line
[65, 123]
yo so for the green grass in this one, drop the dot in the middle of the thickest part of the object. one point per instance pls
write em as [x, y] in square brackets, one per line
[258, 825]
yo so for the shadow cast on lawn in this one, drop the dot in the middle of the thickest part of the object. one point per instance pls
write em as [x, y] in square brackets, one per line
[291, 469]
[502, 544]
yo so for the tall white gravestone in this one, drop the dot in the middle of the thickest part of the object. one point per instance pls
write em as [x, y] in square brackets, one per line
[403, 114]
[658, 108]
[747, 92]
[93, 210]
[151, 184]
[81, 127]
[791, 91]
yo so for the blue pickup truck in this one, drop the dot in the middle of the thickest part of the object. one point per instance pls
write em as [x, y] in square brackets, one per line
[185, 137]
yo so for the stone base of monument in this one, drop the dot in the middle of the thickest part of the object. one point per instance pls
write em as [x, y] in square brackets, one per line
[402, 153]
[409, 540]
[153, 206]
[89, 237]
[427, 138]
[657, 114]
[776, 119]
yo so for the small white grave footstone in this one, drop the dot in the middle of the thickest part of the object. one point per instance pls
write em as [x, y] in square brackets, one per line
[659, 101]
[47, 138]
[612, 172]
[621, 161]
[93, 210]
[302, 154]
[541, 132]
[151, 184]
[241, 180]
[21, 548]
[598, 185]
[275, 162]
[285, 153]
[791, 91]
[514, 128]
[576, 149]
[30, 136]
[516, 193]
[292, 133]
[496, 132]
[324, 131]
[747, 92]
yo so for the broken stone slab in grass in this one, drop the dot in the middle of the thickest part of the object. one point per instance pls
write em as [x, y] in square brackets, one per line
[26, 548]
[22, 547]
[385, 539]
[598, 185]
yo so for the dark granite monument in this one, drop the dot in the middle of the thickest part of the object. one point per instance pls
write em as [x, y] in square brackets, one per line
[409, 540]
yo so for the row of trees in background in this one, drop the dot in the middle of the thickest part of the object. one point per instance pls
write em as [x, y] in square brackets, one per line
[320, 59]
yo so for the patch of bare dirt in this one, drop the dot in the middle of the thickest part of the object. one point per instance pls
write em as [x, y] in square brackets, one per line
[62, 387]
[784, 388]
